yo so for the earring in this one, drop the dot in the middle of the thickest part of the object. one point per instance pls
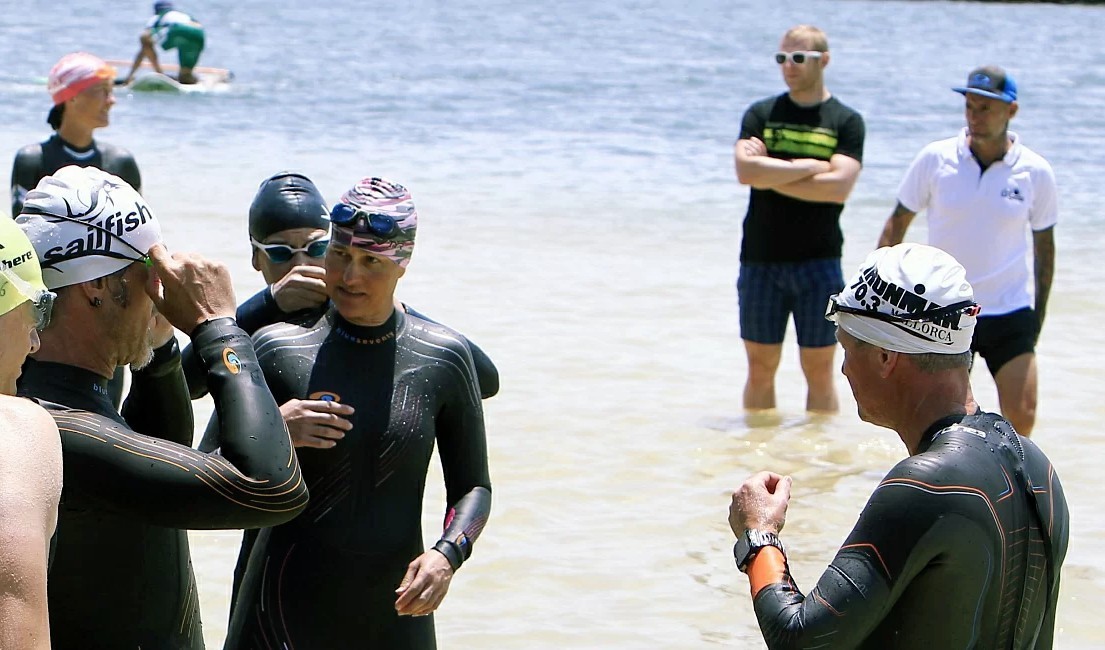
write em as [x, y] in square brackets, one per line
[96, 302]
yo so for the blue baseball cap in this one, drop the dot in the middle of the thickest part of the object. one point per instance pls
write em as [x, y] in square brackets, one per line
[990, 81]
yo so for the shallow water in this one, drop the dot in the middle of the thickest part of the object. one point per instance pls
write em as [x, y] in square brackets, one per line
[580, 221]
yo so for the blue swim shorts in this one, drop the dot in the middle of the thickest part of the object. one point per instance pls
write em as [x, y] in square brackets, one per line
[769, 292]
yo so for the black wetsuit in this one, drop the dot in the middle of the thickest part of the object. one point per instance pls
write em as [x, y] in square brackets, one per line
[121, 575]
[327, 579]
[36, 161]
[960, 546]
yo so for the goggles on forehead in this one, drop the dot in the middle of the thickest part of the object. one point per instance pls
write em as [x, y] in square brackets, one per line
[382, 226]
[963, 308]
[282, 253]
[142, 257]
[41, 300]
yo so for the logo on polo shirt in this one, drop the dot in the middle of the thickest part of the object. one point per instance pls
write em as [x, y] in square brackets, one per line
[1013, 194]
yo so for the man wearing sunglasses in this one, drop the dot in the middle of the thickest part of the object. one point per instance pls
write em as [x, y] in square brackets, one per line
[800, 152]
[983, 192]
[354, 572]
[121, 575]
[961, 544]
[31, 474]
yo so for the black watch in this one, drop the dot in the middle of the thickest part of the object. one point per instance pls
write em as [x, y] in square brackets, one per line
[750, 543]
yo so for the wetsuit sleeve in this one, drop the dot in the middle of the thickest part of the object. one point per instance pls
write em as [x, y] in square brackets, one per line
[158, 403]
[255, 482]
[26, 173]
[904, 527]
[486, 372]
[462, 446]
[260, 310]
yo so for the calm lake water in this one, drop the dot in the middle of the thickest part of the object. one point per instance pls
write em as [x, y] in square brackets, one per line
[581, 221]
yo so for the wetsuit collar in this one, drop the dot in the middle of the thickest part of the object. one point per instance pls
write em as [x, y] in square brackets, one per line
[368, 334]
[68, 386]
[936, 427]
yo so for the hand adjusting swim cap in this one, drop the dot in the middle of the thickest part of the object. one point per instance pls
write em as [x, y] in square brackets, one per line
[85, 223]
[908, 298]
[284, 201]
[20, 274]
[378, 216]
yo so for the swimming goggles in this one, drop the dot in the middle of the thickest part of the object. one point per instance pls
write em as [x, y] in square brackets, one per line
[798, 58]
[383, 226]
[281, 253]
[937, 314]
[42, 300]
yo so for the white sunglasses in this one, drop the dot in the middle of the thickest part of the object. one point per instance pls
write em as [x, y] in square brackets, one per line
[798, 58]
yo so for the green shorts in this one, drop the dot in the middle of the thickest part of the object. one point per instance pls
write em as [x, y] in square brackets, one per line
[187, 40]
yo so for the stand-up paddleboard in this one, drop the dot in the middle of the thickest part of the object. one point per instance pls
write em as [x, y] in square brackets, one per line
[147, 80]
[155, 83]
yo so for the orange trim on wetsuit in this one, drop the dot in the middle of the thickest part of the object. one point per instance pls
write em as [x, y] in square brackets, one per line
[767, 567]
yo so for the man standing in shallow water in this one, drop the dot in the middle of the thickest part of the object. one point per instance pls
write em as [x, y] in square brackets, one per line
[801, 153]
[985, 186]
[961, 544]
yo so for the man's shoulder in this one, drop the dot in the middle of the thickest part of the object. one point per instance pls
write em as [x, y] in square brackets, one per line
[29, 430]
[1033, 161]
[766, 104]
[842, 109]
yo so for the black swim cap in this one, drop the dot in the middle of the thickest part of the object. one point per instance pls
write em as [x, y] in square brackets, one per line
[284, 201]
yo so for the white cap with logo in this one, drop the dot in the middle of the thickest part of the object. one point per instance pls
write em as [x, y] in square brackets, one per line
[85, 223]
[908, 298]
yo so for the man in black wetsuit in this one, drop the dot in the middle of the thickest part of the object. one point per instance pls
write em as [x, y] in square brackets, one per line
[352, 572]
[961, 544]
[121, 575]
[81, 86]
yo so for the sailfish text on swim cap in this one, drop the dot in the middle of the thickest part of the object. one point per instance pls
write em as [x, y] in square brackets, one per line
[872, 291]
[97, 240]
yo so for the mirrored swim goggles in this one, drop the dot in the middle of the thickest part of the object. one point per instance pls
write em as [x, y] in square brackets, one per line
[797, 58]
[936, 314]
[282, 253]
[382, 226]
[42, 300]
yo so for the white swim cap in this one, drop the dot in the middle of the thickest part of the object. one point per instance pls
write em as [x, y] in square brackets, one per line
[85, 223]
[908, 298]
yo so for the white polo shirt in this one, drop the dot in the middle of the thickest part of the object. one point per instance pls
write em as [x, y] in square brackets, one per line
[984, 219]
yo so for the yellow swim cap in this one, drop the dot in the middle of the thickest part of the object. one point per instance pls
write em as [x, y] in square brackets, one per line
[20, 274]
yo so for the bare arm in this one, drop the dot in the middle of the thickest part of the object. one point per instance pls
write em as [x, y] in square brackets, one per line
[761, 171]
[30, 484]
[1043, 246]
[894, 230]
[832, 186]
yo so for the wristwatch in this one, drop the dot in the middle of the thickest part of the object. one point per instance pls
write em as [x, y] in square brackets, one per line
[750, 543]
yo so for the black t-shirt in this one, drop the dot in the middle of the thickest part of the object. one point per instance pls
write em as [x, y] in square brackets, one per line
[779, 228]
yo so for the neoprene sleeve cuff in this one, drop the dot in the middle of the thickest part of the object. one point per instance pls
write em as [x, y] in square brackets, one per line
[451, 552]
